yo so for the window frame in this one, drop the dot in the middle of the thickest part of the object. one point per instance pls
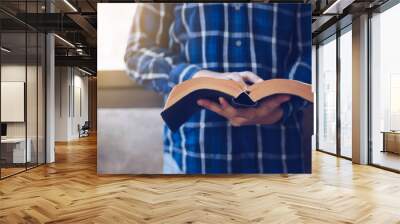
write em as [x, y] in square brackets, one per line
[347, 27]
[378, 10]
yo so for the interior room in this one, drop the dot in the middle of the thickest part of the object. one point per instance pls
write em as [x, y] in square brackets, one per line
[334, 56]
[22, 100]
[61, 95]
[385, 123]
[25, 67]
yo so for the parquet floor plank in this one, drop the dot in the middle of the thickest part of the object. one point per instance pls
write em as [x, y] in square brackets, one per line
[70, 191]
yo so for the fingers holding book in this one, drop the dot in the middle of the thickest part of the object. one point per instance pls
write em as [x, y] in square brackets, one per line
[245, 77]
[250, 77]
[269, 110]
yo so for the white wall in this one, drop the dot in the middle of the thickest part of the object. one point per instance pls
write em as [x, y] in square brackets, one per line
[33, 126]
[68, 82]
[81, 84]
[113, 25]
[61, 103]
[12, 73]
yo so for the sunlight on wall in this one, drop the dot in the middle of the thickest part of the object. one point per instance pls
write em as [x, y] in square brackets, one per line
[113, 24]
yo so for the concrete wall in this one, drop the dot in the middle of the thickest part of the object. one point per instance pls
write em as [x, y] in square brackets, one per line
[129, 134]
[116, 90]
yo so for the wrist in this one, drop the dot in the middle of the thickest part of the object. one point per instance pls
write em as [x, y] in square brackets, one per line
[271, 119]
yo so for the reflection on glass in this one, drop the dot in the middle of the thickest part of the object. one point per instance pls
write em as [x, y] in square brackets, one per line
[327, 96]
[15, 151]
[31, 101]
[41, 98]
[385, 84]
[22, 91]
[345, 94]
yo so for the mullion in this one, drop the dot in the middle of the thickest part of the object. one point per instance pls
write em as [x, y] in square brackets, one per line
[37, 90]
[338, 93]
[0, 95]
[317, 95]
[26, 87]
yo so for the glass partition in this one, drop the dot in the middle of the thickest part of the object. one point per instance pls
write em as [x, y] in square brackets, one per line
[23, 91]
[41, 107]
[33, 72]
[327, 96]
[385, 89]
[32, 95]
[14, 153]
[346, 93]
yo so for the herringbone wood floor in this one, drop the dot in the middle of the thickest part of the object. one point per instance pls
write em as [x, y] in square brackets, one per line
[70, 191]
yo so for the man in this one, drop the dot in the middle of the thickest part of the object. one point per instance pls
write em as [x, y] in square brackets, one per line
[246, 42]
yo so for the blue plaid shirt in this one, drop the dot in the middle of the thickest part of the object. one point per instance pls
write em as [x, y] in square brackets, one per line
[169, 43]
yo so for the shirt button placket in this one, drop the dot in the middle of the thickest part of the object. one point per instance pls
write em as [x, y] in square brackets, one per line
[237, 6]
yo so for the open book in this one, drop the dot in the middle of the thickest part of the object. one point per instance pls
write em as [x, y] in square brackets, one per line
[182, 101]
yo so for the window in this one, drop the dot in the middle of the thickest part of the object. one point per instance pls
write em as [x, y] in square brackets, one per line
[346, 92]
[385, 89]
[327, 96]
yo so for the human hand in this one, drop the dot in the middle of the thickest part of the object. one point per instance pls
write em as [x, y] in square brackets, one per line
[242, 77]
[268, 112]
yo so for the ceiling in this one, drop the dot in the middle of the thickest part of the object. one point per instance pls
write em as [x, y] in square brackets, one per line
[73, 20]
[337, 14]
[76, 22]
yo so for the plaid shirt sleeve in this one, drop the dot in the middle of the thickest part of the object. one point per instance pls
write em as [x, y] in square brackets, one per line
[152, 58]
[301, 68]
